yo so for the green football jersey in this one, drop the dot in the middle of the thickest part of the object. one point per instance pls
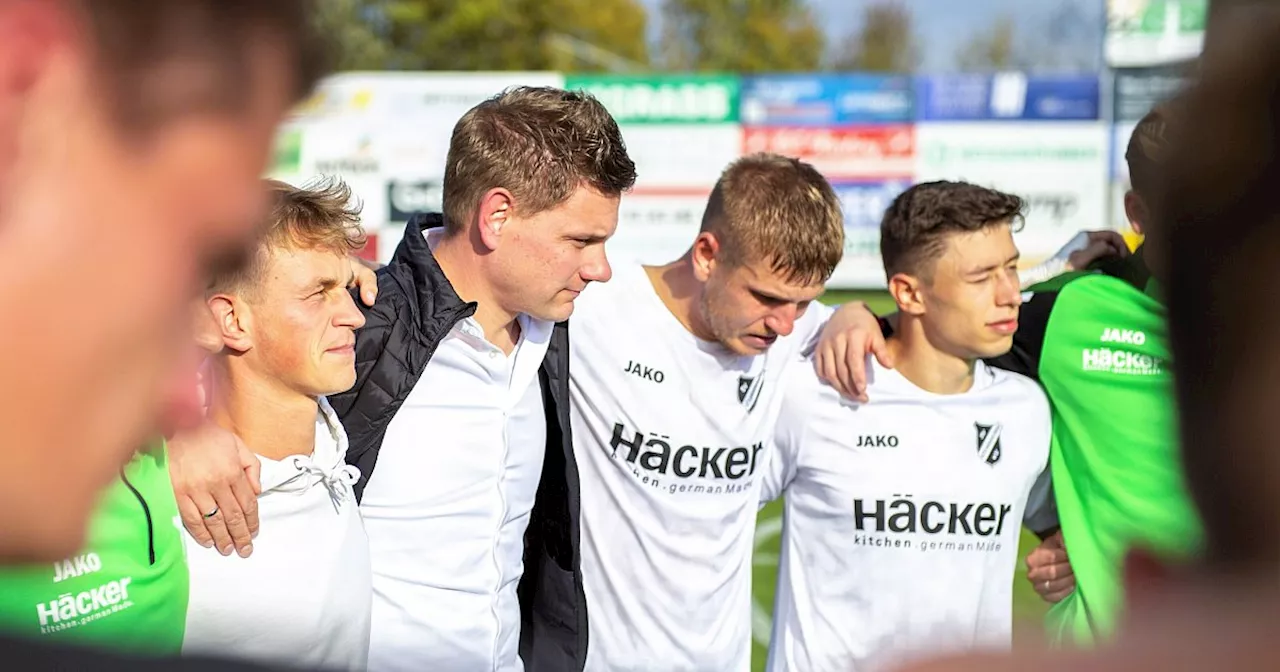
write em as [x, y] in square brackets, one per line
[127, 588]
[1099, 346]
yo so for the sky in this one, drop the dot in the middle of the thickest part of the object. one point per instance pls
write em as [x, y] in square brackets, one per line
[944, 26]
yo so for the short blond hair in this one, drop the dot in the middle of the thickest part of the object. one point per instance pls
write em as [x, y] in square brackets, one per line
[320, 216]
[778, 210]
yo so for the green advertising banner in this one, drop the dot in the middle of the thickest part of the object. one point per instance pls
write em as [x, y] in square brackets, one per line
[672, 99]
[1154, 32]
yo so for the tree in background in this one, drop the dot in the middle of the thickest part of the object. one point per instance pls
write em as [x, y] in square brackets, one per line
[566, 35]
[740, 36]
[1071, 40]
[351, 25]
[884, 42]
[1067, 40]
[990, 50]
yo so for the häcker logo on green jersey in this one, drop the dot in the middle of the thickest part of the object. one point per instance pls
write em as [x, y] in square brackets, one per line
[76, 608]
[1121, 361]
[676, 99]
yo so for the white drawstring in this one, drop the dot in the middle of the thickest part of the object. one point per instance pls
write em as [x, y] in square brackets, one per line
[339, 481]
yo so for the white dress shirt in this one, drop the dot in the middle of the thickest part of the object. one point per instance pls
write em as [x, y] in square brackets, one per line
[447, 507]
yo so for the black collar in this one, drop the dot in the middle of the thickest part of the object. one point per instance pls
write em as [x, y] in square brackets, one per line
[435, 304]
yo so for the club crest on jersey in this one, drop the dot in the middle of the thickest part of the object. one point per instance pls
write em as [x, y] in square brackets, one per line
[749, 390]
[989, 442]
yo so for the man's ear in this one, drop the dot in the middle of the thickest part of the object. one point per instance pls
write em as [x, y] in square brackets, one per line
[233, 321]
[706, 248]
[905, 290]
[207, 333]
[492, 217]
[1135, 210]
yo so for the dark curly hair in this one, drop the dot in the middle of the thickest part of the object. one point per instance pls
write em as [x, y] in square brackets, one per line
[915, 226]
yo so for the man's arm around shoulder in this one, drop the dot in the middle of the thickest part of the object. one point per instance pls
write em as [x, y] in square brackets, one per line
[372, 338]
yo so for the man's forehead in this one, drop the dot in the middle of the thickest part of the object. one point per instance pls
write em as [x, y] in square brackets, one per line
[588, 212]
[308, 265]
[762, 277]
[975, 250]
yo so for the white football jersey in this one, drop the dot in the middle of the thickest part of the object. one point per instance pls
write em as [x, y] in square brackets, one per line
[671, 435]
[902, 517]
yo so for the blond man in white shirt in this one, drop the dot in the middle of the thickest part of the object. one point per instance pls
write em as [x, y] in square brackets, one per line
[287, 325]
[675, 388]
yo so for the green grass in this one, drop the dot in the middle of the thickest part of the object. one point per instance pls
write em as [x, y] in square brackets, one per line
[878, 300]
[1028, 609]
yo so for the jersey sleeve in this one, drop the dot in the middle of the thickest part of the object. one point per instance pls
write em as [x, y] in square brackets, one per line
[809, 327]
[788, 434]
[1028, 341]
[1041, 514]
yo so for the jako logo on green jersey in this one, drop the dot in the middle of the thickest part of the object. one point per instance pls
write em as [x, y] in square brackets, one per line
[77, 566]
[1130, 336]
[70, 610]
[1125, 362]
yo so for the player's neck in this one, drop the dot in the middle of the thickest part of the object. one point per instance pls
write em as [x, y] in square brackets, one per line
[273, 421]
[678, 289]
[465, 272]
[925, 366]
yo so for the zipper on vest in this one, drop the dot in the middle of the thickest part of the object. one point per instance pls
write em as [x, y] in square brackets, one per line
[146, 511]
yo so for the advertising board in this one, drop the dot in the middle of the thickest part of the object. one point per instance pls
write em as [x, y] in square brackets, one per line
[826, 99]
[1152, 32]
[1059, 169]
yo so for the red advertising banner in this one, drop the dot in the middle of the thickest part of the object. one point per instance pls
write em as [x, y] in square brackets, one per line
[370, 250]
[880, 151]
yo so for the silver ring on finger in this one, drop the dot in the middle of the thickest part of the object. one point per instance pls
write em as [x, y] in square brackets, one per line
[212, 513]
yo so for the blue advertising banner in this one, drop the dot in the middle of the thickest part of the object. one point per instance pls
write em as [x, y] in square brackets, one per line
[864, 201]
[864, 204]
[1007, 96]
[825, 100]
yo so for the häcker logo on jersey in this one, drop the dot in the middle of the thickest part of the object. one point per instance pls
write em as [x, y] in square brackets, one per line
[665, 463]
[749, 388]
[1120, 360]
[989, 442]
[929, 525]
[72, 610]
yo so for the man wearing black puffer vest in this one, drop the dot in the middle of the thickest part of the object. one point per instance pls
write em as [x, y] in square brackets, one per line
[459, 420]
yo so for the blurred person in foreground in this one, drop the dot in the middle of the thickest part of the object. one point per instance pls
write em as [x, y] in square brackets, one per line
[1215, 227]
[287, 325]
[902, 514]
[132, 138]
